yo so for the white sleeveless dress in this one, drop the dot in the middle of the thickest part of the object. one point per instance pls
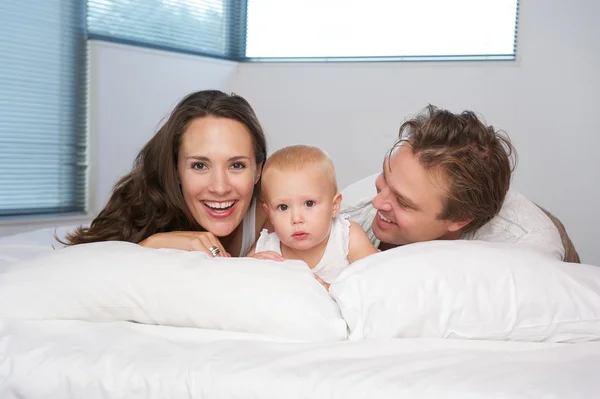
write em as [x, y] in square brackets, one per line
[335, 257]
[248, 229]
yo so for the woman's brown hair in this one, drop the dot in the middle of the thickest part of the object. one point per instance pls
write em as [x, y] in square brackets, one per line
[148, 200]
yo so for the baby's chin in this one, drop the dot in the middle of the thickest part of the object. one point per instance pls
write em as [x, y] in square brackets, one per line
[302, 245]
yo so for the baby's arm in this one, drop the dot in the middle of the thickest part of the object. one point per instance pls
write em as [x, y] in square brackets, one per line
[266, 255]
[359, 246]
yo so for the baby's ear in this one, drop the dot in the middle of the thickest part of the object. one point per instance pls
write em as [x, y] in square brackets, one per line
[265, 207]
[337, 201]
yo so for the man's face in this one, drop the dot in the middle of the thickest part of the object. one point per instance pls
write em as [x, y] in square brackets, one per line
[409, 201]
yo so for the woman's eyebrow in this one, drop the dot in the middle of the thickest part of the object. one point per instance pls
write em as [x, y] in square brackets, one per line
[206, 159]
[239, 158]
[198, 158]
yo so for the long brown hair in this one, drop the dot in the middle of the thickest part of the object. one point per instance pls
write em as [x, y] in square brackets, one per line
[148, 200]
[475, 160]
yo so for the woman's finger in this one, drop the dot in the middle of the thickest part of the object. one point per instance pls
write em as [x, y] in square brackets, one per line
[210, 241]
[214, 242]
[199, 243]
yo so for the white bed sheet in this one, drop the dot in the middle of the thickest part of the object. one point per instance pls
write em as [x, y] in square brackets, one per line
[18, 247]
[75, 359]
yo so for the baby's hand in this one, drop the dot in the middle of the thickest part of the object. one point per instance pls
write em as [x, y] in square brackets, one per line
[322, 282]
[268, 255]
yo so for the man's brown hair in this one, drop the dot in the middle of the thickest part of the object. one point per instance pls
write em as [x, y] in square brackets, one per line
[475, 160]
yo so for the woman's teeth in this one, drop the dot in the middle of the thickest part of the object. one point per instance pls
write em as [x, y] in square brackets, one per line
[219, 205]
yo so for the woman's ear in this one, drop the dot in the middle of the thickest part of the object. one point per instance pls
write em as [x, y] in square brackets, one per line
[337, 201]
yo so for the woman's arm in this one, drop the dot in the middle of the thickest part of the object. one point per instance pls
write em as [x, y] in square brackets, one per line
[201, 241]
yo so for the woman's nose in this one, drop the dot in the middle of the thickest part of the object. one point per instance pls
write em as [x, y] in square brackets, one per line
[219, 183]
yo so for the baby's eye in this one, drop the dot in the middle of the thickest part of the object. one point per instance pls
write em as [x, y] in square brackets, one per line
[238, 165]
[282, 207]
[309, 204]
[199, 166]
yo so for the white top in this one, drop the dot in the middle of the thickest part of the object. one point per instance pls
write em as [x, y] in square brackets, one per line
[519, 221]
[335, 257]
[248, 229]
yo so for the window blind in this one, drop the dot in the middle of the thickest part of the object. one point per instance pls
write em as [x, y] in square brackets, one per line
[42, 107]
[206, 27]
[409, 29]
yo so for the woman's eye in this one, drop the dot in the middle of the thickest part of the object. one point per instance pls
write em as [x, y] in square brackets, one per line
[309, 204]
[198, 166]
[238, 165]
[282, 207]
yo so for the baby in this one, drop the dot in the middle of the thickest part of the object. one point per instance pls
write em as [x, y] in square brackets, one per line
[300, 196]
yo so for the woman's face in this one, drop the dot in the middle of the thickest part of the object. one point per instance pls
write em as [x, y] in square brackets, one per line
[217, 171]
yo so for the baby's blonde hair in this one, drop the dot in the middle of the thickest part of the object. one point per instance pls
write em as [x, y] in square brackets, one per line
[299, 157]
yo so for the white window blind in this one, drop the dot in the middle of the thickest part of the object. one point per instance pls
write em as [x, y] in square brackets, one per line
[410, 29]
[42, 107]
[206, 27]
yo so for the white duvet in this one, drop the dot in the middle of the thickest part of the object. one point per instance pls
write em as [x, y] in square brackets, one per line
[74, 359]
[59, 359]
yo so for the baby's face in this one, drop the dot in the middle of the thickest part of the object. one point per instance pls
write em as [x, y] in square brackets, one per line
[301, 205]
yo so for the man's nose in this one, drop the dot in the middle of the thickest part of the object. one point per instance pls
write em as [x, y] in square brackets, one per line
[381, 201]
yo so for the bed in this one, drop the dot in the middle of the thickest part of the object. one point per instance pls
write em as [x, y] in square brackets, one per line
[114, 320]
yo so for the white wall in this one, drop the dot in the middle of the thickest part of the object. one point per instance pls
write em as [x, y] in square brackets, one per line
[132, 91]
[547, 102]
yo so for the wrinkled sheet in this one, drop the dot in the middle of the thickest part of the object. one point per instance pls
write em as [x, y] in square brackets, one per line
[76, 359]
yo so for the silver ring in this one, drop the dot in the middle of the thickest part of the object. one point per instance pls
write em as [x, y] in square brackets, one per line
[214, 250]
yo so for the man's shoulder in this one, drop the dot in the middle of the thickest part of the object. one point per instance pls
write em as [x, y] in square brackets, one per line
[521, 221]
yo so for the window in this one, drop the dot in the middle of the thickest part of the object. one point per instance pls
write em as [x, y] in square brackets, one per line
[410, 29]
[42, 107]
[206, 27]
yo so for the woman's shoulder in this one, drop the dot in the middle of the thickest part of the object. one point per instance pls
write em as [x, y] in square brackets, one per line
[262, 219]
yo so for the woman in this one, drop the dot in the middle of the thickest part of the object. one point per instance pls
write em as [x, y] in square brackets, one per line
[194, 184]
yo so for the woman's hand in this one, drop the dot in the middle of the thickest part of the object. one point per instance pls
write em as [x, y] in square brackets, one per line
[201, 241]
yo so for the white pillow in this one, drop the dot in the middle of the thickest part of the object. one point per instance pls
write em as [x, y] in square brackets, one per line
[356, 204]
[360, 191]
[469, 290]
[111, 281]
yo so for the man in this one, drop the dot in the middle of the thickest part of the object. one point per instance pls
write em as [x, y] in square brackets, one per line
[448, 177]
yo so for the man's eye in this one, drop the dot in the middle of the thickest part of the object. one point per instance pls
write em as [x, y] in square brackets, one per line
[309, 203]
[199, 166]
[238, 165]
[401, 203]
[282, 207]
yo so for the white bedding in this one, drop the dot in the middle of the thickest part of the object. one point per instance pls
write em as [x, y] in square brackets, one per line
[84, 359]
[73, 359]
